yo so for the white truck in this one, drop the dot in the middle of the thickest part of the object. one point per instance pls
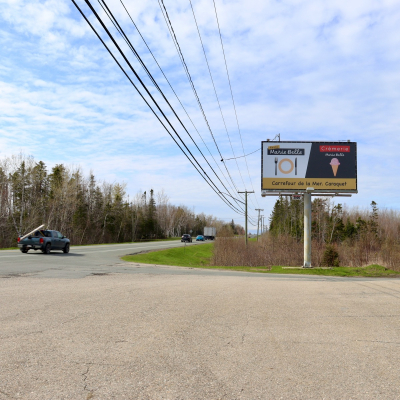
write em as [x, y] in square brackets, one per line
[210, 232]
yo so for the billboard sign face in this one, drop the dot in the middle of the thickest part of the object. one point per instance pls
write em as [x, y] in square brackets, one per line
[328, 167]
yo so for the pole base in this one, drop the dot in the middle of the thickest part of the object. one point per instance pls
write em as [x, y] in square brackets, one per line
[307, 265]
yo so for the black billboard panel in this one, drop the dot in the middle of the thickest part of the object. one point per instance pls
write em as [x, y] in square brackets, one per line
[329, 167]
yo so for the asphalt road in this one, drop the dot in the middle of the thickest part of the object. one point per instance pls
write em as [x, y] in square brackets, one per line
[89, 326]
[81, 261]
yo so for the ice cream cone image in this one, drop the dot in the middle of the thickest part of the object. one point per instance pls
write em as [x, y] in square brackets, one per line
[335, 165]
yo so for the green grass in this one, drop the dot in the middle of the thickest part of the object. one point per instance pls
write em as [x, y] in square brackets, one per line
[200, 256]
[10, 248]
[186, 256]
[368, 271]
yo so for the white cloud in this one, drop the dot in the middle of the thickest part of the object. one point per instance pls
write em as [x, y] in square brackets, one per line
[307, 69]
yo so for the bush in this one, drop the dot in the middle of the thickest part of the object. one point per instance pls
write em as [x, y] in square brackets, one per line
[288, 251]
[330, 257]
[225, 231]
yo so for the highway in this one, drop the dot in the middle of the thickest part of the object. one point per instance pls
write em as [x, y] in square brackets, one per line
[89, 326]
[81, 261]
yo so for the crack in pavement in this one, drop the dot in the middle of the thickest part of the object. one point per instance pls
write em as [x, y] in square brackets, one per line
[84, 380]
[244, 329]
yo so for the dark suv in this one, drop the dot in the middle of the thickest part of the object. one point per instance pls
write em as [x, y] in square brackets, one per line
[186, 238]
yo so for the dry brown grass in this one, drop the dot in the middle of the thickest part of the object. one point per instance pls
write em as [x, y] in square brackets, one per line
[266, 252]
[287, 251]
[367, 251]
[373, 244]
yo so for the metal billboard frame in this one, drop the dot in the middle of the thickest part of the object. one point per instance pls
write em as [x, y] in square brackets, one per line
[307, 192]
[315, 192]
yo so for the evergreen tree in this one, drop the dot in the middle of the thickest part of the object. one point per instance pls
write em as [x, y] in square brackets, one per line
[373, 219]
[151, 215]
[80, 208]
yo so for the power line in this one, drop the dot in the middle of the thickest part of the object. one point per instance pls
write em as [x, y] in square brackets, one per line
[177, 98]
[125, 73]
[215, 91]
[175, 40]
[216, 95]
[180, 54]
[226, 159]
[124, 36]
[233, 101]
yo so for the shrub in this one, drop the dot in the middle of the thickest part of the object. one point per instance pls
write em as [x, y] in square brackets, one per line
[288, 251]
[330, 257]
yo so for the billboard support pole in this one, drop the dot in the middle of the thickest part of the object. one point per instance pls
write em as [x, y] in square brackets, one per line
[289, 168]
[307, 228]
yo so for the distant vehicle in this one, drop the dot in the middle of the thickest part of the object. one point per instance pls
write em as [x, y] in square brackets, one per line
[200, 237]
[45, 241]
[186, 238]
[210, 232]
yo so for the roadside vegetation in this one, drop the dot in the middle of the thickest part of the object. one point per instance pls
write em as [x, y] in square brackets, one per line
[201, 256]
[85, 210]
[340, 237]
[345, 242]
[196, 256]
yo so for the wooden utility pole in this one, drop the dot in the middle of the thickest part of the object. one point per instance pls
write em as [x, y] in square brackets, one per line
[245, 213]
[258, 220]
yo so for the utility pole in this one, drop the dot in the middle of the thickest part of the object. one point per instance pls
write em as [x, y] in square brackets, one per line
[245, 215]
[258, 220]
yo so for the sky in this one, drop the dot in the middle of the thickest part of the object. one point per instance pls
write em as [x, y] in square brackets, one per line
[307, 70]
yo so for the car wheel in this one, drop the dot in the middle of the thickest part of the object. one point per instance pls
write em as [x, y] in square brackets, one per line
[24, 250]
[66, 248]
[47, 248]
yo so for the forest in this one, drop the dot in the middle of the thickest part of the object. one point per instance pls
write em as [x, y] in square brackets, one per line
[85, 210]
[341, 235]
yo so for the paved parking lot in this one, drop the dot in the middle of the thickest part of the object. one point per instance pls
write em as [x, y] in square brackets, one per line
[173, 333]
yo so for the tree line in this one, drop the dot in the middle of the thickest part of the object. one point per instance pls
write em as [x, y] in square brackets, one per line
[330, 223]
[341, 235]
[85, 210]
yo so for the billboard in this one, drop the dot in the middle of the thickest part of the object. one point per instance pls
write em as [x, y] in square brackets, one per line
[328, 167]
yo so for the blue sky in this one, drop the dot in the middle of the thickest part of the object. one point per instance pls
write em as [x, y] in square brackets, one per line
[309, 70]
